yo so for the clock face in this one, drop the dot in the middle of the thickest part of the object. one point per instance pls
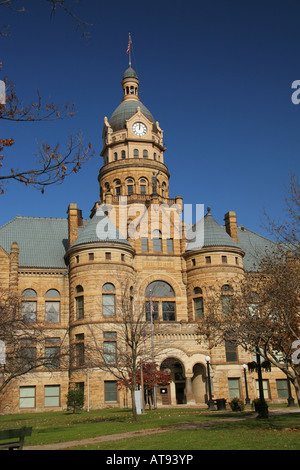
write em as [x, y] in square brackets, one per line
[139, 128]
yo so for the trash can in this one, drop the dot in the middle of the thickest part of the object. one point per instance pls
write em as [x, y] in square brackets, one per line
[221, 404]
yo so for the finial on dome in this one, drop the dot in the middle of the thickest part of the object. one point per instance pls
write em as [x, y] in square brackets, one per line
[208, 210]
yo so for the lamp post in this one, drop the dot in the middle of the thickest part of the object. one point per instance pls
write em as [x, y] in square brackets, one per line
[262, 406]
[211, 405]
[152, 343]
[246, 385]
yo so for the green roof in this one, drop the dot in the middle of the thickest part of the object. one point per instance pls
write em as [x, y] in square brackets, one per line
[99, 229]
[207, 232]
[125, 111]
[42, 241]
[255, 247]
[130, 73]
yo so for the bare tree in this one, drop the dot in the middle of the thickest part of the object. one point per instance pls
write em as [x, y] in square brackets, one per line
[129, 349]
[55, 5]
[261, 314]
[24, 342]
[53, 165]
[287, 231]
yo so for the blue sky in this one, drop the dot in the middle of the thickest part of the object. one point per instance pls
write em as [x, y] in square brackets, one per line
[216, 74]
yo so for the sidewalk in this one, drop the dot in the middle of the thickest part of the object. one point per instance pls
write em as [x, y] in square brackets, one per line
[145, 432]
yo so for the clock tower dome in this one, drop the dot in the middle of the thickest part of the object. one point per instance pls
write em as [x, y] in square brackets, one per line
[133, 151]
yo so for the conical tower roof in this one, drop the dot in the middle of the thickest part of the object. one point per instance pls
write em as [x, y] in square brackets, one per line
[208, 233]
[100, 229]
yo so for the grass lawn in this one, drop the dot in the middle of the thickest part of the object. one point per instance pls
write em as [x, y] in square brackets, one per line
[278, 432]
[64, 426]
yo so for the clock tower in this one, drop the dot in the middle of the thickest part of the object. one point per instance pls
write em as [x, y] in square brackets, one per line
[133, 151]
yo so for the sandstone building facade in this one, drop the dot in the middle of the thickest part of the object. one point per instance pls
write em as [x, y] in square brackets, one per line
[69, 274]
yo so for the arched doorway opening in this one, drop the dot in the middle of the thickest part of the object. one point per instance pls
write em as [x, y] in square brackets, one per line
[175, 393]
[199, 383]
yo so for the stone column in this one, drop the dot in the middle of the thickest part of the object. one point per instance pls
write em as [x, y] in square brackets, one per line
[190, 399]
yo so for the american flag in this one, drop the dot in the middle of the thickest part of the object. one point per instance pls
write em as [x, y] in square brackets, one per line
[129, 45]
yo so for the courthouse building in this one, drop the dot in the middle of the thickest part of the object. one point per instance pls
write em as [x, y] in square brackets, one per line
[69, 273]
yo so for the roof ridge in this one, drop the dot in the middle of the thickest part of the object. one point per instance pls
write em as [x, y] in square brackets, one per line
[255, 233]
[39, 218]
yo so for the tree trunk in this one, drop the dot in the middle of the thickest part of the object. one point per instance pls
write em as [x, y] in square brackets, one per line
[132, 390]
[295, 382]
[262, 406]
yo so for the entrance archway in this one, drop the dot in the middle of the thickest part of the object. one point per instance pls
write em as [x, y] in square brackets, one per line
[176, 389]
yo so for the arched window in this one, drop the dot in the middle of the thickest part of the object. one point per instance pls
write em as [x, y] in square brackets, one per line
[198, 303]
[130, 186]
[226, 293]
[29, 306]
[145, 153]
[135, 153]
[143, 185]
[115, 156]
[52, 306]
[123, 154]
[108, 300]
[158, 303]
[163, 189]
[79, 302]
[156, 239]
[118, 187]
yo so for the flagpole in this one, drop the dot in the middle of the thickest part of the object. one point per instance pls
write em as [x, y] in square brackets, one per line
[129, 49]
[152, 342]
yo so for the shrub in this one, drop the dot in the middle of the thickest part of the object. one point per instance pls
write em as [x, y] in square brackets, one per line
[75, 399]
[237, 404]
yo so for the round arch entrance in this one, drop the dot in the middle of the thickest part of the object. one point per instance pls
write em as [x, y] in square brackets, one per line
[175, 392]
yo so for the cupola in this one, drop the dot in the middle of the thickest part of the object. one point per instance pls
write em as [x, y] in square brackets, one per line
[130, 84]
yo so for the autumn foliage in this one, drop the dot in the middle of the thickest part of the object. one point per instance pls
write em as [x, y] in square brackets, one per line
[151, 377]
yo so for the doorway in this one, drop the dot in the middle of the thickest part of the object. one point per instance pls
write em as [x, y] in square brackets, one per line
[177, 386]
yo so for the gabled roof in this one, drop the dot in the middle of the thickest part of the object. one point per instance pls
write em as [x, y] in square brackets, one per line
[42, 241]
[99, 229]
